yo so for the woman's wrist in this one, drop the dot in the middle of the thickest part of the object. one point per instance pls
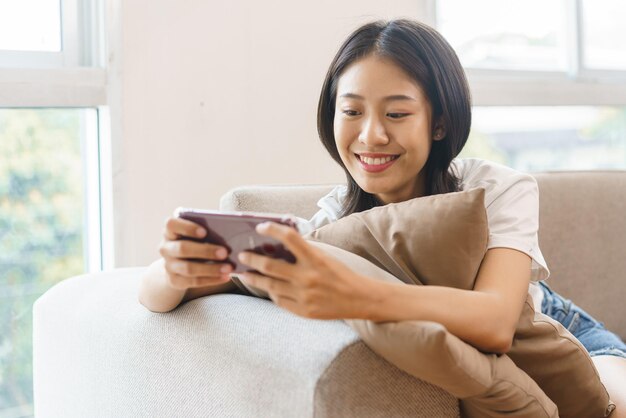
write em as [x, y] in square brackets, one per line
[155, 292]
[374, 299]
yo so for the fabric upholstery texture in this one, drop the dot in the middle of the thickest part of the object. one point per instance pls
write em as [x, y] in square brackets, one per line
[99, 353]
[356, 380]
[581, 234]
[300, 201]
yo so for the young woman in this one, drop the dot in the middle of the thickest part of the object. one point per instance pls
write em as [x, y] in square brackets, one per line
[394, 112]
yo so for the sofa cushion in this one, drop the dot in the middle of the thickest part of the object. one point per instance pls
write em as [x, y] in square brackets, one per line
[422, 241]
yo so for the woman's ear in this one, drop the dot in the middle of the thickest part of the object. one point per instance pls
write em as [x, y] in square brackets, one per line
[440, 130]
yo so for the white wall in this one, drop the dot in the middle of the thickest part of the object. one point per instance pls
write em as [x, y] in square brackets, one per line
[208, 95]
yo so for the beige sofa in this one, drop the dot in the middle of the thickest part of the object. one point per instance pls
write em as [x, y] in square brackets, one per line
[99, 353]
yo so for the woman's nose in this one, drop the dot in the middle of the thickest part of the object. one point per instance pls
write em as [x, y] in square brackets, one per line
[373, 133]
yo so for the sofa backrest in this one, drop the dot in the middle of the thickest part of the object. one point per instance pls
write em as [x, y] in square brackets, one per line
[582, 235]
[296, 199]
[582, 232]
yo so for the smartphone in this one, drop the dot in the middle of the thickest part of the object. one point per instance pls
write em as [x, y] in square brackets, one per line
[236, 232]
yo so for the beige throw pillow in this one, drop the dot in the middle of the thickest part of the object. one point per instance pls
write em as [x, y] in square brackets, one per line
[441, 240]
[560, 364]
[438, 240]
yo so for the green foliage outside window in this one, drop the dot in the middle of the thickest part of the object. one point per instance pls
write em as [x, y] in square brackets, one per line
[41, 231]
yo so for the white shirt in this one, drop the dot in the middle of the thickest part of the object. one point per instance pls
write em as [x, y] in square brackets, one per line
[511, 202]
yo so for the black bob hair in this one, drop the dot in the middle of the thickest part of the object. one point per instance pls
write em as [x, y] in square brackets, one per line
[429, 60]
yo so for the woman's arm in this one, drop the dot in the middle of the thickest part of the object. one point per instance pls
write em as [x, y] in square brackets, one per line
[485, 317]
[157, 294]
[321, 287]
[154, 293]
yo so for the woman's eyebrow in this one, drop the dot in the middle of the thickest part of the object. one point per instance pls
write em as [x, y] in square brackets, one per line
[388, 98]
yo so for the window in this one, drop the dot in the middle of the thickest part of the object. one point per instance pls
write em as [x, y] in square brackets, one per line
[54, 159]
[604, 34]
[45, 227]
[507, 35]
[53, 37]
[22, 30]
[559, 36]
[540, 138]
[548, 80]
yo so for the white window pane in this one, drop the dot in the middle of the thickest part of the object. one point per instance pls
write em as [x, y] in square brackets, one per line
[511, 35]
[604, 34]
[42, 230]
[550, 138]
[30, 25]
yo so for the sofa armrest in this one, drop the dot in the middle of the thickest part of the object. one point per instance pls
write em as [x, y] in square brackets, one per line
[91, 336]
[99, 353]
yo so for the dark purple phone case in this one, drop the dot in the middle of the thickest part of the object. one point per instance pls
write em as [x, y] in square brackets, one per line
[236, 232]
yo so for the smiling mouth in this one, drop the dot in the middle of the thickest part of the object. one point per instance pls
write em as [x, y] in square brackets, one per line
[382, 160]
[377, 162]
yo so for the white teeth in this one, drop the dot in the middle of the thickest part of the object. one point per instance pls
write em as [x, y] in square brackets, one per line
[375, 161]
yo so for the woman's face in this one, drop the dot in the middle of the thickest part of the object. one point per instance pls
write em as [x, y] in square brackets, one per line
[382, 129]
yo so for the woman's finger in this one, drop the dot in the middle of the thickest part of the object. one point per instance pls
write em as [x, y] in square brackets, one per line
[182, 282]
[207, 281]
[191, 249]
[289, 236]
[196, 269]
[268, 266]
[176, 228]
[274, 286]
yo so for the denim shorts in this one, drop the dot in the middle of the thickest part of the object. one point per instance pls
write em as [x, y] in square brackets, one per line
[591, 333]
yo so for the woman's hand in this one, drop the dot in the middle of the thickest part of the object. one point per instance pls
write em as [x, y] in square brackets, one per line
[316, 286]
[184, 274]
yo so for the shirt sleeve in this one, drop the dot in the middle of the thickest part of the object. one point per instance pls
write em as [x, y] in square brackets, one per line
[330, 207]
[512, 204]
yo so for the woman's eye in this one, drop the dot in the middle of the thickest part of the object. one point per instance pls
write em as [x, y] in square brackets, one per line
[397, 115]
[350, 112]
